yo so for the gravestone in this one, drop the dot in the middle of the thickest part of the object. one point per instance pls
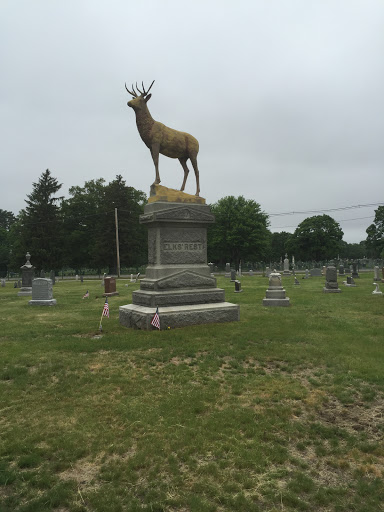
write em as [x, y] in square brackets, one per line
[52, 277]
[297, 282]
[324, 270]
[15, 284]
[341, 270]
[275, 295]
[238, 286]
[27, 275]
[306, 274]
[331, 285]
[377, 291]
[76, 277]
[355, 273]
[267, 272]
[250, 273]
[81, 279]
[315, 272]
[233, 275]
[239, 273]
[3, 283]
[177, 279]
[19, 283]
[286, 266]
[42, 293]
[132, 280]
[110, 287]
[227, 270]
[376, 274]
[350, 281]
[42, 274]
[211, 265]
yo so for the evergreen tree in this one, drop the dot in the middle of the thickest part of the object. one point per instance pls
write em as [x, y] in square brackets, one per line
[39, 226]
[375, 235]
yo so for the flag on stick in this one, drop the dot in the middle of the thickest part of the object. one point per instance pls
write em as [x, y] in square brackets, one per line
[104, 313]
[86, 296]
[156, 319]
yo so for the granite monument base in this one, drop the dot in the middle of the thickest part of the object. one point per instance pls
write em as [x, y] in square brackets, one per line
[24, 291]
[140, 317]
[331, 290]
[178, 279]
[49, 302]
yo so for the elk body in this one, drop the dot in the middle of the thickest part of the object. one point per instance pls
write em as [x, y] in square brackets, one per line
[161, 139]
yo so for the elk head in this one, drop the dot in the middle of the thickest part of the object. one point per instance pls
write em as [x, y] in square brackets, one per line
[138, 101]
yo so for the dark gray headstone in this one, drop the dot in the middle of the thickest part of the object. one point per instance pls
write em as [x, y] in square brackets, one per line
[82, 279]
[15, 284]
[331, 285]
[315, 272]
[42, 274]
[227, 270]
[233, 275]
[52, 276]
[341, 270]
[238, 287]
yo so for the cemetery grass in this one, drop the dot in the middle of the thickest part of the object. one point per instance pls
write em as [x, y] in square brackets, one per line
[282, 411]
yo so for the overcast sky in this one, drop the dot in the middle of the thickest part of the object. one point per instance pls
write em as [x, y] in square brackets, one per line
[286, 98]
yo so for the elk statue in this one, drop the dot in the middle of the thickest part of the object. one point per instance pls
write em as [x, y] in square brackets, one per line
[161, 139]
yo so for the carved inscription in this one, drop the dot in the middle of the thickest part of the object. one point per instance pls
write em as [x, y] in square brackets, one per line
[183, 246]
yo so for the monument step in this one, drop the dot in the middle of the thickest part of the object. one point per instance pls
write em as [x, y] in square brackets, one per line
[181, 297]
[140, 317]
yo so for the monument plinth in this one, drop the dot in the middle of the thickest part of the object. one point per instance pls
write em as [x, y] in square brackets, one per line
[178, 280]
[27, 275]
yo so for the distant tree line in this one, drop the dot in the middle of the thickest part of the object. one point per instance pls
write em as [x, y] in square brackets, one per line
[79, 232]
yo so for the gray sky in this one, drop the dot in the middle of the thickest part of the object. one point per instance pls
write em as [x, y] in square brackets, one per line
[285, 97]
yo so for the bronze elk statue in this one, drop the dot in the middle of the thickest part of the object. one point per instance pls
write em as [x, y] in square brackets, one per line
[161, 139]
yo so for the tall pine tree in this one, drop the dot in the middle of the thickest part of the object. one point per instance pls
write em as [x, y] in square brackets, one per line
[40, 225]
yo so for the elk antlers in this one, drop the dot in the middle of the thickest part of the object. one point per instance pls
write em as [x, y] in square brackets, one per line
[143, 93]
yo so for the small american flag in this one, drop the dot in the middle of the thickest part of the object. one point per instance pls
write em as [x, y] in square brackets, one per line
[156, 319]
[106, 309]
[86, 296]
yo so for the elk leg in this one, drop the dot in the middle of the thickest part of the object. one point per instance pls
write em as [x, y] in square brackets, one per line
[183, 162]
[193, 157]
[155, 150]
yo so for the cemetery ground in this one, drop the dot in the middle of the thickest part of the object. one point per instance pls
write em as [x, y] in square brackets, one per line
[282, 411]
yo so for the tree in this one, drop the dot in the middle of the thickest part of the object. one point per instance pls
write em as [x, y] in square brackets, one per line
[38, 228]
[132, 235]
[240, 231]
[316, 238]
[81, 222]
[279, 245]
[7, 219]
[375, 235]
[353, 251]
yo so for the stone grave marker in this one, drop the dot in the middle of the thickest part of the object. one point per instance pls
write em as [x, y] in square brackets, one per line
[267, 272]
[275, 295]
[52, 277]
[82, 279]
[238, 286]
[250, 273]
[341, 270]
[227, 270]
[377, 291]
[376, 274]
[306, 274]
[42, 293]
[286, 266]
[15, 284]
[42, 274]
[315, 272]
[110, 287]
[27, 274]
[355, 273]
[211, 265]
[350, 281]
[297, 282]
[331, 285]
[19, 283]
[3, 283]
[233, 275]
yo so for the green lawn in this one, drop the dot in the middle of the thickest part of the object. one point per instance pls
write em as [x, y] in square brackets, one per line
[282, 411]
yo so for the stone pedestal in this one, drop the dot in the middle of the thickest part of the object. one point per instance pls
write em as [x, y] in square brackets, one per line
[331, 285]
[178, 280]
[355, 273]
[275, 295]
[27, 275]
[286, 266]
[42, 293]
